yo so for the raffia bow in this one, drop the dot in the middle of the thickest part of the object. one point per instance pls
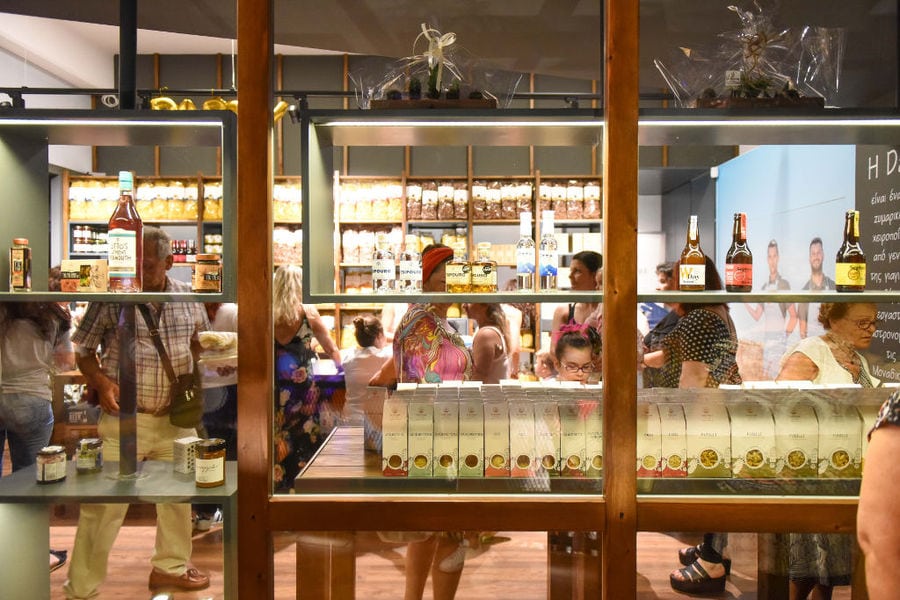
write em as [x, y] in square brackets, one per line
[437, 60]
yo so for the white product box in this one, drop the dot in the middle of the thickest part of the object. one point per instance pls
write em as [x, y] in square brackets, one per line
[446, 439]
[840, 441]
[471, 437]
[420, 429]
[649, 440]
[546, 435]
[521, 438]
[572, 439]
[496, 439]
[593, 437]
[796, 440]
[708, 439]
[85, 275]
[394, 437]
[753, 451]
[673, 438]
[184, 454]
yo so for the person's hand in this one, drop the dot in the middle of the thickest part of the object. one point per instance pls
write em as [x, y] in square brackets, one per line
[108, 395]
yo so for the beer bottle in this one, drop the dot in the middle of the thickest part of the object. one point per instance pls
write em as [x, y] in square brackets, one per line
[126, 240]
[850, 270]
[739, 260]
[692, 268]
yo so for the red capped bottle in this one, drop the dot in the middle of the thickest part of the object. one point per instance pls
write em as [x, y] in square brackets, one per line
[126, 240]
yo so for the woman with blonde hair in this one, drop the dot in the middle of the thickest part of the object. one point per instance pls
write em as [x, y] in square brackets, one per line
[297, 431]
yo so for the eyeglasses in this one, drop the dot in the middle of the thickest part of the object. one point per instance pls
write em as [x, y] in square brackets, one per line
[570, 368]
[866, 324]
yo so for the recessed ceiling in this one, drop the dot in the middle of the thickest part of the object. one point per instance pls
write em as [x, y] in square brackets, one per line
[552, 37]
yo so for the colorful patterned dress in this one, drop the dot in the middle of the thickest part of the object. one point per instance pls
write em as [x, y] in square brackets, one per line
[428, 350]
[297, 431]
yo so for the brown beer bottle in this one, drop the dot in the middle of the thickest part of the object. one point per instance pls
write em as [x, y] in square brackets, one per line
[692, 268]
[739, 259]
[126, 240]
[850, 270]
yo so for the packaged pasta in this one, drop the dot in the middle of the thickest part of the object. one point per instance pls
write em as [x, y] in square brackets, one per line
[508, 200]
[429, 201]
[460, 201]
[479, 200]
[395, 201]
[545, 196]
[445, 210]
[413, 201]
[558, 194]
[574, 200]
[494, 201]
[524, 192]
[592, 200]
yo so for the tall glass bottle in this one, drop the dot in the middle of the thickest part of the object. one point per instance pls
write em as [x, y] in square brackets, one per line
[484, 270]
[692, 270]
[20, 266]
[458, 273]
[525, 254]
[126, 240]
[384, 270]
[548, 257]
[410, 280]
[850, 270]
[739, 259]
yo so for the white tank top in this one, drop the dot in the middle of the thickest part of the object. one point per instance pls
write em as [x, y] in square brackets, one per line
[499, 368]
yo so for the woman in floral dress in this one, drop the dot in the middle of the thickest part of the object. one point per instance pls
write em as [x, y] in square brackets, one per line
[297, 428]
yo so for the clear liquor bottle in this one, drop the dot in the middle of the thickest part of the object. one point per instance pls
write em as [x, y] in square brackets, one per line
[525, 255]
[850, 267]
[126, 240]
[384, 270]
[410, 280]
[484, 270]
[692, 270]
[547, 252]
[458, 273]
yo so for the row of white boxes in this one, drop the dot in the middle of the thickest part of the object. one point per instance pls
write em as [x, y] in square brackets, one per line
[547, 428]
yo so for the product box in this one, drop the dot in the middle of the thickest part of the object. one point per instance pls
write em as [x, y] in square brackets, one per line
[373, 407]
[394, 436]
[446, 438]
[521, 438]
[840, 441]
[673, 440]
[471, 437]
[496, 439]
[593, 437]
[87, 275]
[708, 439]
[796, 440]
[420, 428]
[572, 440]
[649, 440]
[184, 452]
[546, 436]
[753, 451]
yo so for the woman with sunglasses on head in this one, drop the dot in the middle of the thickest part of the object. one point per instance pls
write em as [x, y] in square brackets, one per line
[817, 561]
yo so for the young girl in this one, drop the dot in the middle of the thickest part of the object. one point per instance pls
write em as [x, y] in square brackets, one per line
[575, 356]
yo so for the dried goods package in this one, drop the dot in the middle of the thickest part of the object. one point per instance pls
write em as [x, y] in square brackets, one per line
[521, 437]
[420, 427]
[752, 440]
[393, 436]
[496, 439]
[673, 440]
[471, 437]
[649, 440]
[708, 439]
[446, 438]
[796, 439]
[840, 441]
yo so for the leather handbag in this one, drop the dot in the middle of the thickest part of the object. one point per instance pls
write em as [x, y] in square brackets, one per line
[185, 399]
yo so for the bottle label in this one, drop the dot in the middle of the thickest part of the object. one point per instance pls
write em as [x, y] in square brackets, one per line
[525, 260]
[410, 270]
[122, 253]
[209, 470]
[692, 275]
[17, 268]
[458, 274]
[549, 262]
[484, 275]
[850, 274]
[382, 269]
[738, 275]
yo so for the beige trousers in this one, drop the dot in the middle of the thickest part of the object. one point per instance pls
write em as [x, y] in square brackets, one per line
[99, 524]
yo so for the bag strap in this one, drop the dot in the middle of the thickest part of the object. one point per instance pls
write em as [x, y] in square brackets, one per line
[157, 341]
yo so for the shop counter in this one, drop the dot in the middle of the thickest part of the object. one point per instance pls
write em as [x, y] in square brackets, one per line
[25, 514]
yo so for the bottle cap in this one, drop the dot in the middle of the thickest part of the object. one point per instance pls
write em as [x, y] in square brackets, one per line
[20, 241]
[126, 180]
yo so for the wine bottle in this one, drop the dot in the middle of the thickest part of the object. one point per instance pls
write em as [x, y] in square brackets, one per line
[739, 259]
[692, 270]
[547, 252]
[126, 240]
[850, 270]
[525, 255]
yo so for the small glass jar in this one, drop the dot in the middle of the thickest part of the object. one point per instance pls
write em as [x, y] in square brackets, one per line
[209, 465]
[207, 277]
[20, 266]
[89, 456]
[51, 464]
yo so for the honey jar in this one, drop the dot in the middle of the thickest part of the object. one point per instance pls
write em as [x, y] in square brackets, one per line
[209, 464]
[89, 456]
[51, 464]
[207, 275]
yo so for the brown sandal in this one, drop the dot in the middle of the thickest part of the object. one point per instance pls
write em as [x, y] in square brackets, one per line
[694, 579]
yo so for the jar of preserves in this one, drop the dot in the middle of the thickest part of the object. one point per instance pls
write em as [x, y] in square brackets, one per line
[20, 266]
[207, 277]
[209, 464]
[51, 464]
[89, 456]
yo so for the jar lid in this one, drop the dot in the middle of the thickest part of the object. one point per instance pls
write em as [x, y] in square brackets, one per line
[90, 442]
[211, 445]
[51, 450]
[20, 241]
[209, 257]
